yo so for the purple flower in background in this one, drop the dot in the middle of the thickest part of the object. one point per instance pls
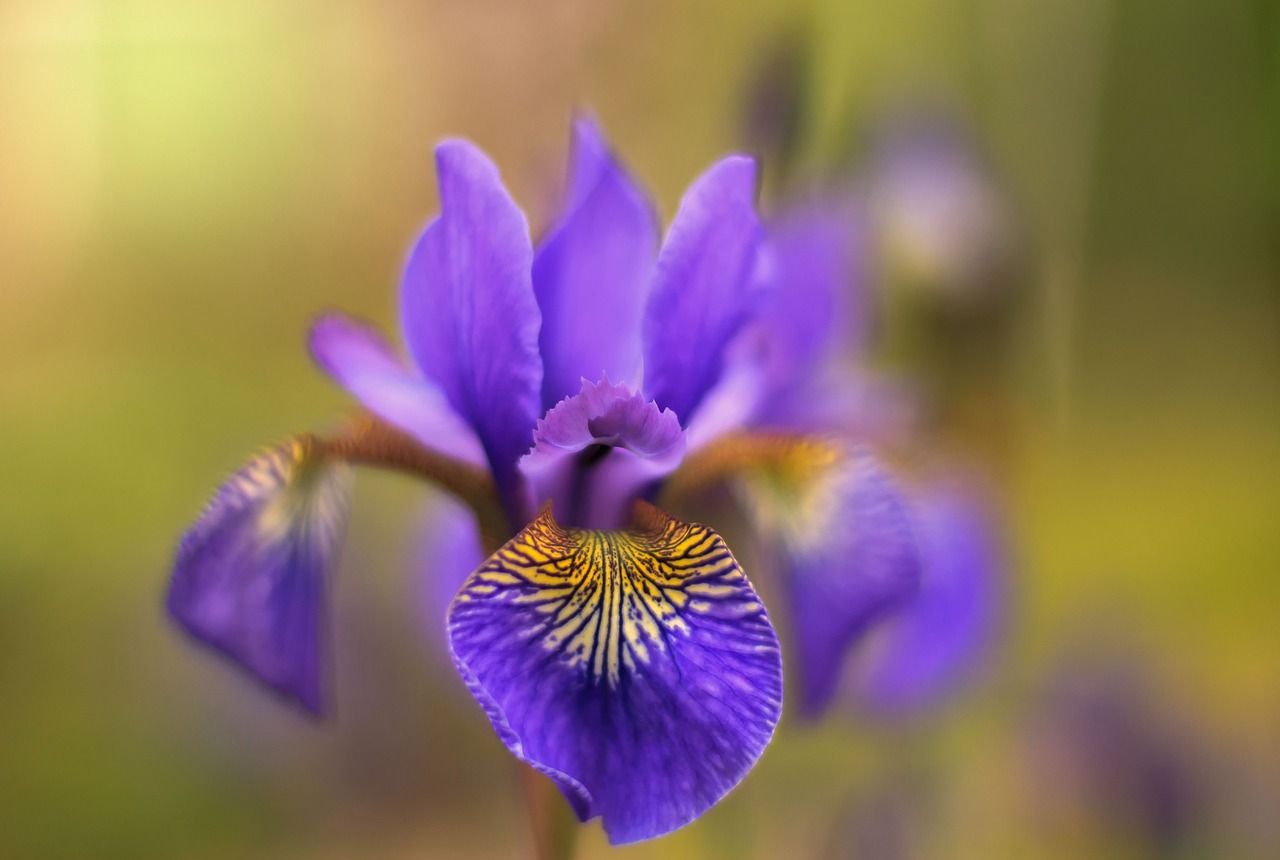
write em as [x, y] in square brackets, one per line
[569, 394]
[937, 639]
[945, 226]
[857, 554]
[1105, 743]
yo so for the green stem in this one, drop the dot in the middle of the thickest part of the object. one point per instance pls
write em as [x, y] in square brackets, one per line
[553, 828]
[551, 822]
[369, 441]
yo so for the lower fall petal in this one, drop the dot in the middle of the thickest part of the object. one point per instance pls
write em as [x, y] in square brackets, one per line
[849, 556]
[638, 669]
[939, 638]
[251, 576]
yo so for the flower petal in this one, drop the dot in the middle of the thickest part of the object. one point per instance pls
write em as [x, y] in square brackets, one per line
[251, 576]
[849, 557]
[738, 400]
[806, 306]
[702, 286]
[591, 274]
[879, 409]
[358, 359]
[447, 549]
[470, 317]
[637, 669]
[945, 225]
[634, 444]
[799, 322]
[937, 638]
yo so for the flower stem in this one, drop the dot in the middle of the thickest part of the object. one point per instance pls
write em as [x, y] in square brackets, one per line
[552, 824]
[369, 441]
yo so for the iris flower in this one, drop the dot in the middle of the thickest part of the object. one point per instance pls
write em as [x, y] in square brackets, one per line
[946, 223]
[569, 393]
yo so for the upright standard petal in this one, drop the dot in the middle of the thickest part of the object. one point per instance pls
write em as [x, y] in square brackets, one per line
[595, 453]
[737, 401]
[359, 360]
[470, 317]
[592, 272]
[849, 557]
[702, 288]
[251, 576]
[807, 301]
[637, 669]
[939, 636]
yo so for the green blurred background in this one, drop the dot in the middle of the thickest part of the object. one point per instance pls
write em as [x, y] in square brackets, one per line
[183, 185]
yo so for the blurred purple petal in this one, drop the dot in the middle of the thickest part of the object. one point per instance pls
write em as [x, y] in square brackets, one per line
[470, 317]
[702, 288]
[736, 401]
[814, 282]
[357, 357]
[636, 669]
[937, 638]
[448, 550]
[596, 452]
[846, 568]
[944, 222]
[591, 274]
[850, 403]
[1111, 745]
[251, 576]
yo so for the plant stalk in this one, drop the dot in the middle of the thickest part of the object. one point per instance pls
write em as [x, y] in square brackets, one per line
[552, 824]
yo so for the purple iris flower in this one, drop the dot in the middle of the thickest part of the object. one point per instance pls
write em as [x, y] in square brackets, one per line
[617, 650]
[569, 393]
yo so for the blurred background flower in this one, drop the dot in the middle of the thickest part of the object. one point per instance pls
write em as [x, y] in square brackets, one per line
[184, 185]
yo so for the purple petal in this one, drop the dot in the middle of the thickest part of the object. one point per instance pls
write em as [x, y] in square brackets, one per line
[448, 550]
[845, 568]
[636, 669]
[358, 359]
[633, 445]
[773, 369]
[251, 576]
[591, 274]
[702, 287]
[937, 639]
[738, 400]
[945, 223]
[878, 409]
[470, 317]
[813, 266]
